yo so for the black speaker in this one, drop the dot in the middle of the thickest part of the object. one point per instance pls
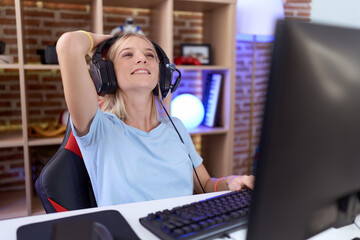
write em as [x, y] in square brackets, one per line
[103, 74]
[51, 55]
[2, 47]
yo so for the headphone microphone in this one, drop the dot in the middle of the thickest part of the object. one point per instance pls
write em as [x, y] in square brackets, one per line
[103, 74]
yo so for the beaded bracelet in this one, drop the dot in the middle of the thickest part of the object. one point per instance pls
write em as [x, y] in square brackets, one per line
[91, 40]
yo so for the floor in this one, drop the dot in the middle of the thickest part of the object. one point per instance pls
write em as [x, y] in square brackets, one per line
[13, 204]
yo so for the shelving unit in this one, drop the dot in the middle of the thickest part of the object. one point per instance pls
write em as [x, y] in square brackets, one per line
[9, 66]
[11, 138]
[41, 67]
[219, 17]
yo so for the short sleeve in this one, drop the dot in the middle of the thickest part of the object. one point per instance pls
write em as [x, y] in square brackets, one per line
[88, 138]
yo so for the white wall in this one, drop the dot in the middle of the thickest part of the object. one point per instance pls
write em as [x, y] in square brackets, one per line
[336, 12]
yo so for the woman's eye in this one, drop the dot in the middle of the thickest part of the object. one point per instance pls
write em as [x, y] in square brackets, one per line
[150, 55]
[127, 54]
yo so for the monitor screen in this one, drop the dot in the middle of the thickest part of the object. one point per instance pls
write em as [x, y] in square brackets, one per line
[308, 169]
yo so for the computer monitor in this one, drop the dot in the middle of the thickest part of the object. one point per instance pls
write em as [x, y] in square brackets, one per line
[308, 169]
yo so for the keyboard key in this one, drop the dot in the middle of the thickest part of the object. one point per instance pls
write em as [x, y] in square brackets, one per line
[195, 227]
[167, 227]
[178, 232]
[187, 229]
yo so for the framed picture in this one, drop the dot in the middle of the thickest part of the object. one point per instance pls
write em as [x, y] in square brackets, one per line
[199, 51]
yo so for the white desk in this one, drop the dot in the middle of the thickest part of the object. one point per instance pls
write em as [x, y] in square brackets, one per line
[132, 212]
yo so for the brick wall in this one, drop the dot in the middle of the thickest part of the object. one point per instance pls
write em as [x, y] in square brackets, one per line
[11, 169]
[244, 59]
[298, 9]
[243, 159]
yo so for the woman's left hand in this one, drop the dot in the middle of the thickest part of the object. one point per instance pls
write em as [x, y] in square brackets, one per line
[236, 183]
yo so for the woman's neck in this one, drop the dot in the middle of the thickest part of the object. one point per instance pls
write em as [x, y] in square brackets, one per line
[139, 113]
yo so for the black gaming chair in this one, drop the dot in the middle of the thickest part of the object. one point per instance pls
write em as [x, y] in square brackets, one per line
[64, 183]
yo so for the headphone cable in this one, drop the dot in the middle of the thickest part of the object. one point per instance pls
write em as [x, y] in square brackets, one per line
[192, 163]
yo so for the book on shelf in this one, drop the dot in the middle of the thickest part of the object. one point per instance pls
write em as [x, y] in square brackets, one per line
[211, 100]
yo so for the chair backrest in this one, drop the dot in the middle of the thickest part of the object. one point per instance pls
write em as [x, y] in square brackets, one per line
[64, 183]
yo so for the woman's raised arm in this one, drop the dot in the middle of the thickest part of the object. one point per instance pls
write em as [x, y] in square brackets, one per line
[79, 90]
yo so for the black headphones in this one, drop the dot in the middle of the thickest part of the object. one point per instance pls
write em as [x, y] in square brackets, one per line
[103, 74]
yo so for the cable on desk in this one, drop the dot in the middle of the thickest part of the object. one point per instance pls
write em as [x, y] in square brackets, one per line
[227, 236]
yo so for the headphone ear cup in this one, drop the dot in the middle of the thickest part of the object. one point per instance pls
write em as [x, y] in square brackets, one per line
[102, 71]
[96, 75]
[103, 76]
[165, 77]
[110, 83]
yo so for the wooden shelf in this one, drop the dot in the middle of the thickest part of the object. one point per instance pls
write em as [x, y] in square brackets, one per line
[11, 138]
[203, 130]
[133, 3]
[119, 3]
[200, 5]
[9, 66]
[80, 2]
[45, 141]
[41, 67]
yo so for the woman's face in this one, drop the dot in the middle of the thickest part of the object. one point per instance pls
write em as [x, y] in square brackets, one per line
[136, 66]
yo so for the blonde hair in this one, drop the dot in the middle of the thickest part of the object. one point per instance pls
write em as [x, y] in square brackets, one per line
[114, 103]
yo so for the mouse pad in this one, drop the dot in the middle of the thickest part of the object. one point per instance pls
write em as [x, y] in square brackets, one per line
[112, 220]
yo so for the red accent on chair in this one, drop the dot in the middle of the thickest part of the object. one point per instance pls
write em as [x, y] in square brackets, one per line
[57, 207]
[73, 146]
[65, 179]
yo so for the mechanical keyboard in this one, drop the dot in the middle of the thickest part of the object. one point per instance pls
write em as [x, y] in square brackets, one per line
[204, 219]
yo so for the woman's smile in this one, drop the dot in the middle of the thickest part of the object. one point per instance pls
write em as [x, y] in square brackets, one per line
[140, 71]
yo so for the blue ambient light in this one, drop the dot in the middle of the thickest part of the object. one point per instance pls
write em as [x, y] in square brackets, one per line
[189, 109]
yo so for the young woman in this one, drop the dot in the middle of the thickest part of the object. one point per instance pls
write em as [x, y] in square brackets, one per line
[131, 152]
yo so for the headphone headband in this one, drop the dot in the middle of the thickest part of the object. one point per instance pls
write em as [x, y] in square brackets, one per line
[103, 46]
